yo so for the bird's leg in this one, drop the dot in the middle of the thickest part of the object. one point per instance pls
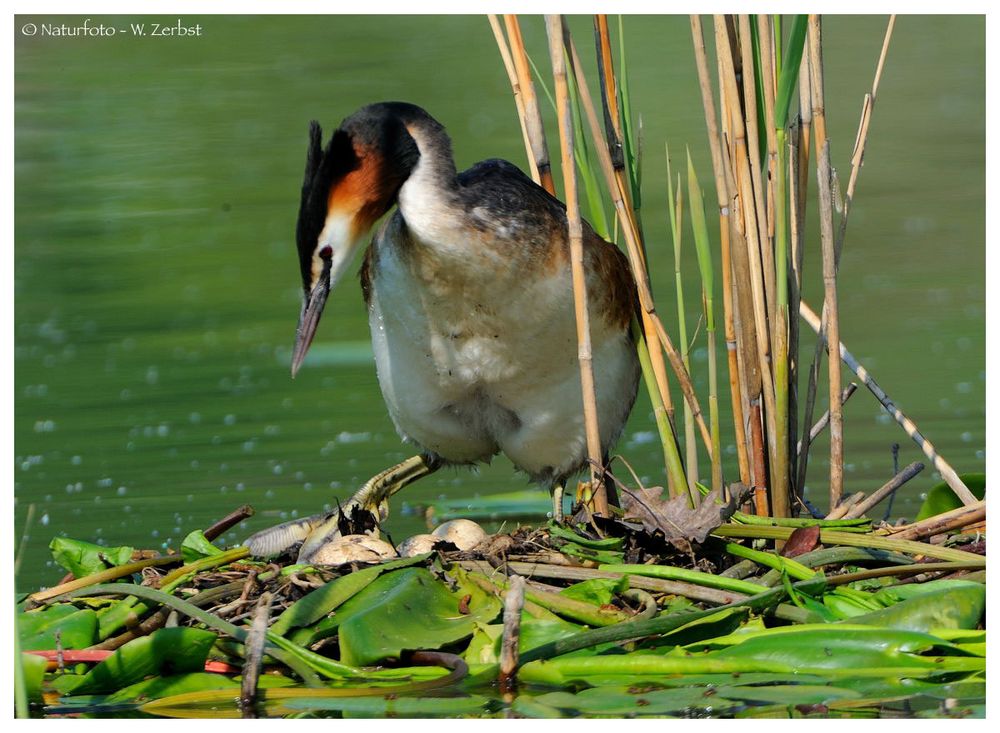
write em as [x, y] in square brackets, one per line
[317, 530]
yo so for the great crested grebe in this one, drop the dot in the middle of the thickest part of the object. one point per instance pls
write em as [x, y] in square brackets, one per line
[470, 304]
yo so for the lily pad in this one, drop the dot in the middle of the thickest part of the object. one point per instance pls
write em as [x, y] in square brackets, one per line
[61, 625]
[404, 610]
[83, 558]
[942, 499]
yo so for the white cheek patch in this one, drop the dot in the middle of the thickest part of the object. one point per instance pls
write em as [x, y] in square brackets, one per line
[340, 237]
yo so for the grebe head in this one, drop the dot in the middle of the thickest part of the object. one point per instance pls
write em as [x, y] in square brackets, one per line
[347, 187]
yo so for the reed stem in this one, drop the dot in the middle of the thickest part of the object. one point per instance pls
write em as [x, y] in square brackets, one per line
[532, 115]
[722, 195]
[824, 177]
[575, 234]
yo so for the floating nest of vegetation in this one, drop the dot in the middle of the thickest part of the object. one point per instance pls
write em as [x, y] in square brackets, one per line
[592, 618]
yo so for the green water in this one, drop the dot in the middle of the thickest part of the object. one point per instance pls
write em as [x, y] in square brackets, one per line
[157, 288]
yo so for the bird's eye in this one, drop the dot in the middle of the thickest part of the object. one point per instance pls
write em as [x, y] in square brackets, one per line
[326, 253]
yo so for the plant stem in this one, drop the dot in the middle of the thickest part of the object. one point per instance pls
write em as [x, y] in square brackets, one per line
[575, 235]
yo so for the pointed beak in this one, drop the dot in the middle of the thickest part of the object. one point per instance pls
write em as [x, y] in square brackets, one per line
[312, 309]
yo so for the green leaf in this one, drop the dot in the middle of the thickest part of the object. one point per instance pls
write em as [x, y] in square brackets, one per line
[61, 625]
[942, 499]
[312, 607]
[83, 558]
[945, 608]
[854, 649]
[165, 651]
[896, 593]
[599, 591]
[196, 546]
[790, 70]
[404, 610]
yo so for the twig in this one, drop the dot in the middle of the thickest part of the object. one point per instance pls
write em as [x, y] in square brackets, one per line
[840, 511]
[945, 522]
[859, 509]
[104, 576]
[939, 463]
[510, 644]
[229, 521]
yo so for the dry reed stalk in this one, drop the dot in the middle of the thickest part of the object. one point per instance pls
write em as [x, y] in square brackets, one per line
[532, 115]
[940, 464]
[824, 176]
[575, 227]
[833, 326]
[633, 243]
[750, 234]
[945, 522]
[859, 509]
[609, 91]
[757, 174]
[729, 325]
[508, 64]
[857, 159]
[746, 336]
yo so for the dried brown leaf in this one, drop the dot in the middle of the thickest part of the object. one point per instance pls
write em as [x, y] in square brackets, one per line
[678, 522]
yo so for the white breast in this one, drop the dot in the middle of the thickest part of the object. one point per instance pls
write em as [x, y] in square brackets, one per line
[473, 360]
